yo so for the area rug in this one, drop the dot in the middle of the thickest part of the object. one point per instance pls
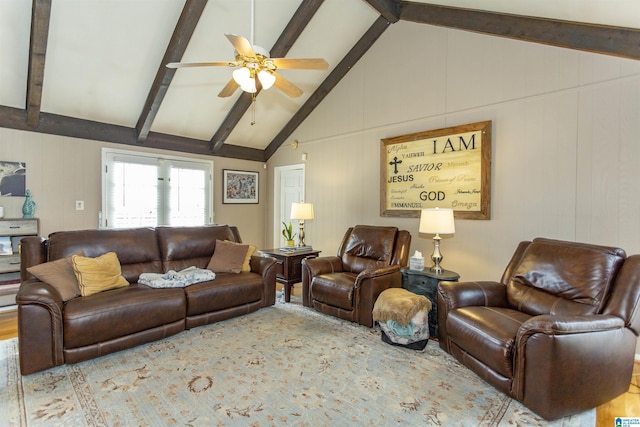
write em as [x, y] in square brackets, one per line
[285, 364]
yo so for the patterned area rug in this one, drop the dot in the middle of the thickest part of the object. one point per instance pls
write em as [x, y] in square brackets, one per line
[285, 364]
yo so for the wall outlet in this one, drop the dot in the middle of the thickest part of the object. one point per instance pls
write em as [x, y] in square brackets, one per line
[79, 205]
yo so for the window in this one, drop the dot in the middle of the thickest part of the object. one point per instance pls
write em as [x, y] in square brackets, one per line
[145, 190]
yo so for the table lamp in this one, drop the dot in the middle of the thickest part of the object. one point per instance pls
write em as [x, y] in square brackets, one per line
[301, 211]
[437, 221]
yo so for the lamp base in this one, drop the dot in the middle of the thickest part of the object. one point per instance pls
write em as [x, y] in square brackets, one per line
[301, 243]
[436, 257]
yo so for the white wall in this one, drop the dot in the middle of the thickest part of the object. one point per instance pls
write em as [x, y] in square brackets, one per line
[566, 159]
[61, 170]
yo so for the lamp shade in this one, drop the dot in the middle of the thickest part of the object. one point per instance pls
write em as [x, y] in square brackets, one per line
[266, 78]
[437, 221]
[241, 76]
[301, 211]
[249, 86]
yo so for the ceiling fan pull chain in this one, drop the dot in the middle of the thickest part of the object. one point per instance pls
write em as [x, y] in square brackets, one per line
[253, 109]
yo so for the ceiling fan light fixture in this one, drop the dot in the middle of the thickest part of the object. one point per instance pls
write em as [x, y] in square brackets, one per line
[242, 76]
[249, 86]
[266, 78]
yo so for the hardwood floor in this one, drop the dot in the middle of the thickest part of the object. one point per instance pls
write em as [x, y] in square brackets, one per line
[626, 405]
[8, 324]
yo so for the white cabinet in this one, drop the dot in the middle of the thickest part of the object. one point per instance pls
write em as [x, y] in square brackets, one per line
[12, 230]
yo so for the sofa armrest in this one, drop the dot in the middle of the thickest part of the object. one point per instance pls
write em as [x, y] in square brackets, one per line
[595, 349]
[266, 267]
[33, 251]
[40, 326]
[368, 286]
[452, 295]
[312, 267]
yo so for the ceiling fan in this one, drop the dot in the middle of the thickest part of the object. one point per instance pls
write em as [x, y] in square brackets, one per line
[254, 67]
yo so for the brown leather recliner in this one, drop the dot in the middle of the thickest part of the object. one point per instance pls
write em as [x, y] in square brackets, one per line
[557, 333]
[347, 285]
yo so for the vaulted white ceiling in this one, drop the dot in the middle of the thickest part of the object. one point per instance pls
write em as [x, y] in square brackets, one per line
[102, 57]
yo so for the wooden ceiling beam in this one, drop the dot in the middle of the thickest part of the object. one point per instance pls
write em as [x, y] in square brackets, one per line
[40, 17]
[292, 31]
[53, 124]
[351, 58]
[389, 9]
[191, 13]
[603, 39]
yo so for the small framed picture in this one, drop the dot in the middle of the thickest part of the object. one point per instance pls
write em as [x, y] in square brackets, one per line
[239, 186]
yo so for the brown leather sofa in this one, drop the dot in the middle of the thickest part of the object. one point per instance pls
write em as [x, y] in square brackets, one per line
[557, 333]
[53, 332]
[347, 285]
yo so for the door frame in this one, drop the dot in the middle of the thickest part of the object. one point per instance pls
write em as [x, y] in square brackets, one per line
[277, 182]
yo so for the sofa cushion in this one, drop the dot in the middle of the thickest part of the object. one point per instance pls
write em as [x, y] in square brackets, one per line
[368, 247]
[228, 257]
[226, 291]
[335, 289]
[60, 275]
[98, 274]
[182, 247]
[488, 334]
[120, 312]
[556, 278]
[137, 248]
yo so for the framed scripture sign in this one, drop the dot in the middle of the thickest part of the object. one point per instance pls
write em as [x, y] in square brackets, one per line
[239, 186]
[446, 168]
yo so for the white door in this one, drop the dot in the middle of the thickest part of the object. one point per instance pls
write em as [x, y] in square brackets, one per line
[289, 183]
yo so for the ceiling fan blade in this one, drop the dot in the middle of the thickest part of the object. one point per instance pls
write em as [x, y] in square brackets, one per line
[286, 86]
[301, 63]
[242, 45]
[199, 64]
[228, 89]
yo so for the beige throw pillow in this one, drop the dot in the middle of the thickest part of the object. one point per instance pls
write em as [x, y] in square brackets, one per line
[228, 257]
[98, 274]
[252, 249]
[60, 275]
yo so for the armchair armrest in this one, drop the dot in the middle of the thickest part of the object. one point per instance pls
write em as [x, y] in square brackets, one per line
[322, 265]
[40, 326]
[266, 267]
[566, 325]
[368, 286]
[312, 267]
[554, 355]
[466, 294]
[452, 295]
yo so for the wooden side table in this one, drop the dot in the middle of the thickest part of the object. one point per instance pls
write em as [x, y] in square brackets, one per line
[425, 282]
[289, 266]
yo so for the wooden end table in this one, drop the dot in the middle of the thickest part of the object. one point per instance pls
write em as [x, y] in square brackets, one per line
[289, 270]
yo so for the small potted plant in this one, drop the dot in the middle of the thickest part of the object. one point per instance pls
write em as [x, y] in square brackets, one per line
[288, 234]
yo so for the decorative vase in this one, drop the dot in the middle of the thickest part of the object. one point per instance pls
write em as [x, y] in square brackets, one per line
[291, 242]
[29, 206]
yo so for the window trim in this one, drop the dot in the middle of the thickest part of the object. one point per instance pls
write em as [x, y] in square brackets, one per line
[153, 158]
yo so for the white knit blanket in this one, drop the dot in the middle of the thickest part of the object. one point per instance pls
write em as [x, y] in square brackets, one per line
[177, 279]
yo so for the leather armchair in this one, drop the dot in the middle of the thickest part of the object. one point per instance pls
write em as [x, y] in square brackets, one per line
[347, 285]
[558, 332]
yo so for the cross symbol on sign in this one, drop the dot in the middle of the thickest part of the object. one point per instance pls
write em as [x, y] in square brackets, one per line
[395, 164]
